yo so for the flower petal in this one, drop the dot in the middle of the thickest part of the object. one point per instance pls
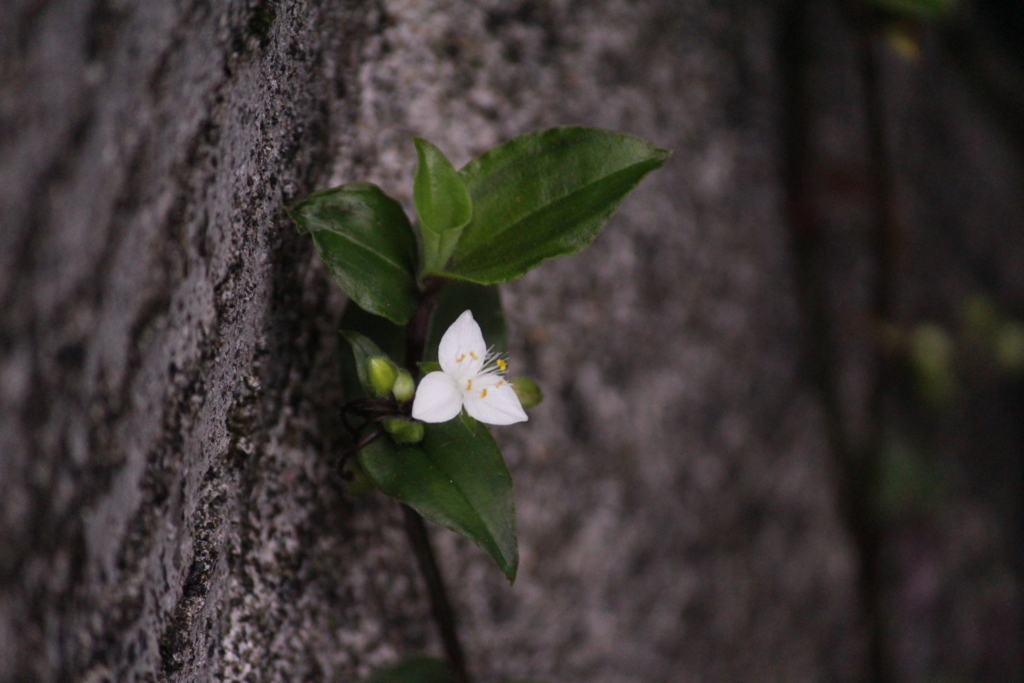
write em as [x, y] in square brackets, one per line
[493, 401]
[462, 348]
[438, 398]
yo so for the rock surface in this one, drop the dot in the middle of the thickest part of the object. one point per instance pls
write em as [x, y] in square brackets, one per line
[676, 503]
[168, 405]
[168, 395]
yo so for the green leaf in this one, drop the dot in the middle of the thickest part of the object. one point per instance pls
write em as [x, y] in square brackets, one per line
[442, 203]
[428, 366]
[468, 422]
[366, 241]
[357, 484]
[457, 296]
[381, 331]
[418, 669]
[455, 478]
[543, 195]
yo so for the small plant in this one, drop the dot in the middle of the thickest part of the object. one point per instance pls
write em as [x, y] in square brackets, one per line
[425, 327]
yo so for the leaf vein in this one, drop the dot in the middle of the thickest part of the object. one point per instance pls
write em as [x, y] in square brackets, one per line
[397, 266]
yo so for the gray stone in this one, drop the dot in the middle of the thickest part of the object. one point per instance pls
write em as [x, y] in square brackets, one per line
[169, 407]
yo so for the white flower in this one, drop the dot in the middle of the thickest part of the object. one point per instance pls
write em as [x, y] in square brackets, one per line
[470, 377]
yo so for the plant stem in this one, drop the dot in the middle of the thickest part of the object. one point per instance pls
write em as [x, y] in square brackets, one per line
[441, 608]
[415, 528]
[357, 447]
[419, 326]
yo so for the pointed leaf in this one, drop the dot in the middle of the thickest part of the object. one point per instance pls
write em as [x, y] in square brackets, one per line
[543, 195]
[366, 241]
[455, 478]
[457, 296]
[442, 203]
[418, 669]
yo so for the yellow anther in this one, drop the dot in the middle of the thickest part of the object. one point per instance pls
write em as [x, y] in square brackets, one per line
[469, 385]
[461, 357]
[500, 382]
[502, 365]
[483, 393]
[473, 354]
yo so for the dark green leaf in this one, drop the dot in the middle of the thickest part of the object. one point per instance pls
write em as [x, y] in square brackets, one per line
[357, 484]
[455, 478]
[442, 203]
[484, 301]
[366, 241]
[468, 422]
[419, 669]
[428, 366]
[381, 331]
[543, 195]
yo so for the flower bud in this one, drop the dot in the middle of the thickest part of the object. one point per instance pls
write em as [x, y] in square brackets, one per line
[404, 387]
[527, 390]
[404, 431]
[381, 373]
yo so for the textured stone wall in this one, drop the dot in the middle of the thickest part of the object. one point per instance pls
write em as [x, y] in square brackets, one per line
[675, 493]
[168, 396]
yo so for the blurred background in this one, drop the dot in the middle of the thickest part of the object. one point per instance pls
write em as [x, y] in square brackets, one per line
[784, 425]
[906, 199]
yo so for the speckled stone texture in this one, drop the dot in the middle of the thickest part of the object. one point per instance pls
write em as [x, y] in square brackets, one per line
[168, 395]
[168, 403]
[675, 492]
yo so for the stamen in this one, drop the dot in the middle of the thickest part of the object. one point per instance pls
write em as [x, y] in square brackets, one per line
[502, 365]
[461, 357]
[500, 382]
[473, 354]
[469, 385]
[483, 393]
